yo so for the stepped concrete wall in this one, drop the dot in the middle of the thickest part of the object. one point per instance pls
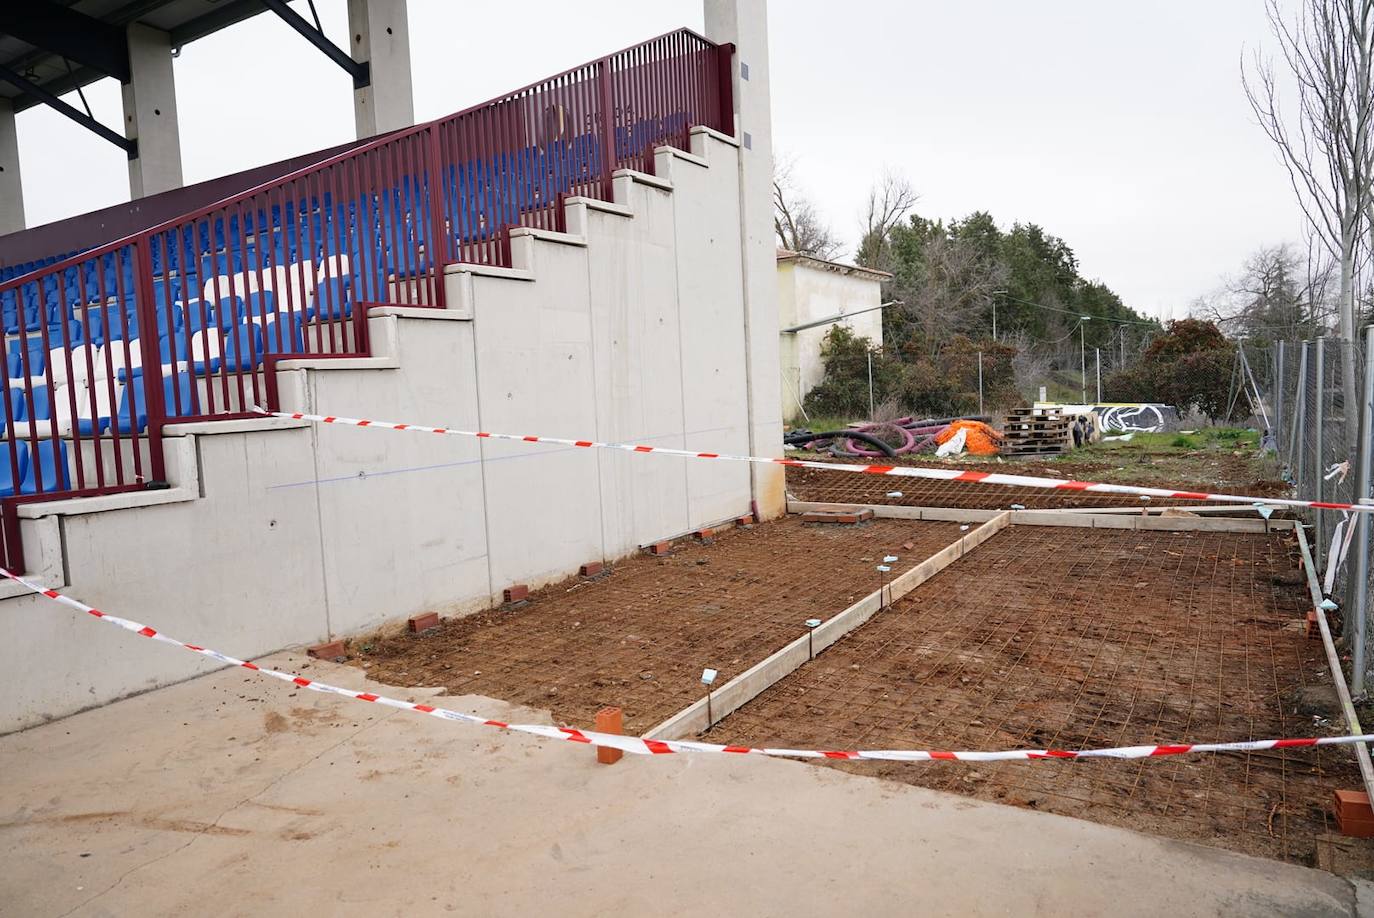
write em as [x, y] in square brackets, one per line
[628, 327]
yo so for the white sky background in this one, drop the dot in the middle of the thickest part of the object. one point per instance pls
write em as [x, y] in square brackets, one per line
[1121, 128]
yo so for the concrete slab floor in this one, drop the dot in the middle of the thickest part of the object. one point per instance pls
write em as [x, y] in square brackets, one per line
[231, 794]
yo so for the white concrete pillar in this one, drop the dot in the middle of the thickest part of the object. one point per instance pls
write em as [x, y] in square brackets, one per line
[745, 24]
[11, 191]
[150, 113]
[380, 35]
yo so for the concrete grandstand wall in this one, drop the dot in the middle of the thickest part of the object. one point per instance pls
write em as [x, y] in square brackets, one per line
[630, 326]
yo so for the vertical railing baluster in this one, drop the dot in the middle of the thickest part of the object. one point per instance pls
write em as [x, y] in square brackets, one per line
[607, 125]
[152, 392]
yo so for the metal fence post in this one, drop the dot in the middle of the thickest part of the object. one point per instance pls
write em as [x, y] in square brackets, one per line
[1318, 457]
[980, 382]
[870, 386]
[153, 400]
[1277, 389]
[438, 253]
[608, 152]
[1097, 351]
[1295, 453]
[1359, 574]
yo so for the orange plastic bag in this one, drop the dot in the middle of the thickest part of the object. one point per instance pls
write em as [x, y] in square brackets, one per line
[981, 440]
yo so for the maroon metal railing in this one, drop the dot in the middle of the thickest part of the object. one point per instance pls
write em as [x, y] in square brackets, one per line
[185, 321]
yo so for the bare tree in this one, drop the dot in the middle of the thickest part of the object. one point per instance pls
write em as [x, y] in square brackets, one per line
[1030, 366]
[795, 221]
[1328, 148]
[952, 292]
[889, 201]
[1279, 294]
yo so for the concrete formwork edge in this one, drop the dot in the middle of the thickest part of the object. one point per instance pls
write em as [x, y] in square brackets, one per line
[761, 676]
[1082, 518]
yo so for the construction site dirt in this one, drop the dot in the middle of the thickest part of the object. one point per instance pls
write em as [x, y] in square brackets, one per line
[639, 636]
[1232, 475]
[1075, 638]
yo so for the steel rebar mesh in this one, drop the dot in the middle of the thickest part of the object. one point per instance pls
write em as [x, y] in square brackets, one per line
[1068, 638]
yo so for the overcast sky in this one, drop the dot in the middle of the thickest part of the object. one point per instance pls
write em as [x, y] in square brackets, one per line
[1121, 128]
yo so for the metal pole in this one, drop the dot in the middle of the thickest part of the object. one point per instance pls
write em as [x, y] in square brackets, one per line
[980, 382]
[1295, 457]
[1319, 457]
[1278, 394]
[1083, 359]
[1359, 573]
[1097, 351]
[870, 386]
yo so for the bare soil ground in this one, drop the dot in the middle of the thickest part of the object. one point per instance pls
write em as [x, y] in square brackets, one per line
[1074, 638]
[639, 637]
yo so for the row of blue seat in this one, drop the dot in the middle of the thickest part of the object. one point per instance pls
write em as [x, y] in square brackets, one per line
[97, 324]
[45, 462]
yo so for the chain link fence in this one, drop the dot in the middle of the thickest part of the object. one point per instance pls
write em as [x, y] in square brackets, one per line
[1320, 432]
[879, 385]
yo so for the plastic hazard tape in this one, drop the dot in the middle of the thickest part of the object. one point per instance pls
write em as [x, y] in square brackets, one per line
[642, 746]
[903, 471]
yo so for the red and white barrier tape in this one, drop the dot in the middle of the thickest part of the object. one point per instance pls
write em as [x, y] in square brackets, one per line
[904, 471]
[641, 746]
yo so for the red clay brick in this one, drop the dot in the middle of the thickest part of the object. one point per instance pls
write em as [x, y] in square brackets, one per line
[1313, 629]
[746, 520]
[1356, 828]
[331, 650]
[516, 592]
[703, 535]
[591, 569]
[609, 720]
[660, 548]
[422, 622]
[1353, 804]
[1354, 816]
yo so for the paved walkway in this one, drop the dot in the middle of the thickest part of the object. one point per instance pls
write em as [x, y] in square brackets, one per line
[231, 794]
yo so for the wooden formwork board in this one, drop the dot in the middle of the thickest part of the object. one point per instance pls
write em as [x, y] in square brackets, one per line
[758, 678]
[1080, 518]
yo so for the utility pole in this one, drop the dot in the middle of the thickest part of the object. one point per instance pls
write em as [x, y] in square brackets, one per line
[995, 295]
[1083, 355]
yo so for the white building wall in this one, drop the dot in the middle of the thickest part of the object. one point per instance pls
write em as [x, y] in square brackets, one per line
[808, 291]
[630, 327]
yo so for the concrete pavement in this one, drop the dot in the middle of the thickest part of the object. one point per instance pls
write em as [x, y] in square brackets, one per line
[232, 794]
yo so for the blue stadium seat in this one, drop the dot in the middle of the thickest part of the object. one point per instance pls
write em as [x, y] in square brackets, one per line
[38, 356]
[179, 396]
[242, 349]
[330, 300]
[46, 467]
[12, 472]
[196, 314]
[260, 304]
[16, 400]
[282, 336]
[104, 393]
[179, 399]
[226, 313]
[41, 409]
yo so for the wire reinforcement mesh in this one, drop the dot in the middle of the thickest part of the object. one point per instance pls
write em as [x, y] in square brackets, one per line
[1069, 638]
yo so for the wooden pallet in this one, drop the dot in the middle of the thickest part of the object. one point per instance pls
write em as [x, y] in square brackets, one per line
[1032, 432]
